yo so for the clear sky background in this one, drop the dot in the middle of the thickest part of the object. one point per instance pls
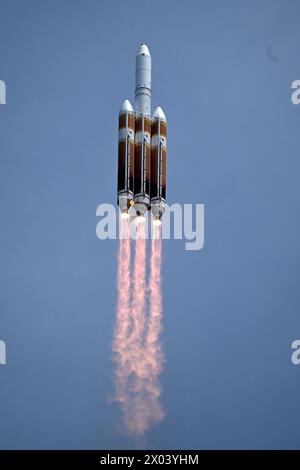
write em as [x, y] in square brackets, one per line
[231, 310]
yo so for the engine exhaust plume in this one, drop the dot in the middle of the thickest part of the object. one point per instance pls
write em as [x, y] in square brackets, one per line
[136, 415]
[153, 347]
[139, 357]
[122, 327]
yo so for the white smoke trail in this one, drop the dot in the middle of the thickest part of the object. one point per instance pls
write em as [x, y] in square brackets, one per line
[153, 346]
[136, 342]
[122, 327]
[136, 419]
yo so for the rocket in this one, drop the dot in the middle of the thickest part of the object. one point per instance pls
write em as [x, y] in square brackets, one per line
[142, 147]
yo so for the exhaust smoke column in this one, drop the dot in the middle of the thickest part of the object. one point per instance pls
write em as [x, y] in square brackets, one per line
[122, 327]
[137, 416]
[153, 347]
[136, 345]
[141, 406]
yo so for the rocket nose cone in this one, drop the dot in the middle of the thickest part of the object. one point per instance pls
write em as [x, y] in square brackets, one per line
[158, 113]
[143, 50]
[126, 107]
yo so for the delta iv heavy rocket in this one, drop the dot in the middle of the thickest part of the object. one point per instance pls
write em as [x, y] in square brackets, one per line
[142, 147]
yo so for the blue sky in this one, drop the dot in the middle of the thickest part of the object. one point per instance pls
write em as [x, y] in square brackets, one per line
[231, 310]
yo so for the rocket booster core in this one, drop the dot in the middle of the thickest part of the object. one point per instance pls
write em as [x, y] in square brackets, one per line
[158, 163]
[126, 156]
[143, 129]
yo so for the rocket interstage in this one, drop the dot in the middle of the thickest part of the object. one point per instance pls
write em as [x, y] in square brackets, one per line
[142, 147]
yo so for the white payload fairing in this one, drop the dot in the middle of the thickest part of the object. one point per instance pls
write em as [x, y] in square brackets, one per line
[142, 147]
